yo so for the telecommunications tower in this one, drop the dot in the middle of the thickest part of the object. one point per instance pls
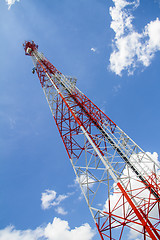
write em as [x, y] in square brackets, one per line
[119, 180]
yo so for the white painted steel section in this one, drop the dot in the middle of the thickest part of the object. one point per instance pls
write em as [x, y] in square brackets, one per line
[109, 168]
[83, 191]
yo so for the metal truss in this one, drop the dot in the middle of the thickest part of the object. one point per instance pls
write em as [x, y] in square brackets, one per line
[118, 179]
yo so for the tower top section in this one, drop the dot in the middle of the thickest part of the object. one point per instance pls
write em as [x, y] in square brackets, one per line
[29, 47]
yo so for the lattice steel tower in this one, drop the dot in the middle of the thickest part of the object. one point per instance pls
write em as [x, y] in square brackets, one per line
[119, 180]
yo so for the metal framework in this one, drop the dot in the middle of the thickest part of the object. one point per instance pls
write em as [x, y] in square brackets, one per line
[119, 180]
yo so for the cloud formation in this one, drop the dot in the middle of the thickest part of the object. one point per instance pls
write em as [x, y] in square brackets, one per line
[93, 49]
[60, 210]
[130, 48]
[11, 2]
[57, 230]
[50, 199]
[60, 230]
[11, 233]
[47, 198]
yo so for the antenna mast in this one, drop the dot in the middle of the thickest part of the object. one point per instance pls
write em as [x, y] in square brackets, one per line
[118, 179]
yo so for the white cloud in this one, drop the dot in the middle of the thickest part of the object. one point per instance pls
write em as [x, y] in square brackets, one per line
[50, 199]
[11, 233]
[121, 19]
[57, 230]
[131, 48]
[47, 198]
[93, 49]
[59, 199]
[61, 211]
[11, 2]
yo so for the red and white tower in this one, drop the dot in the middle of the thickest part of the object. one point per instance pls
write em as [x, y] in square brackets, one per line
[119, 180]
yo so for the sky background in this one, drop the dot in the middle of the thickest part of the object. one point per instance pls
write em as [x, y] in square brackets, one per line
[112, 48]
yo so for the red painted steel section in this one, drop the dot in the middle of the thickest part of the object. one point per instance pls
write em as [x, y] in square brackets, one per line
[52, 69]
[140, 217]
[112, 124]
[92, 111]
[99, 232]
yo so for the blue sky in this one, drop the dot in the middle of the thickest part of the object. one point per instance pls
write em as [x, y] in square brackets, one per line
[112, 47]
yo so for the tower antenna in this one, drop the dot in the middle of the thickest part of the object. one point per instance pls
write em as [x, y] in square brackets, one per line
[118, 179]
